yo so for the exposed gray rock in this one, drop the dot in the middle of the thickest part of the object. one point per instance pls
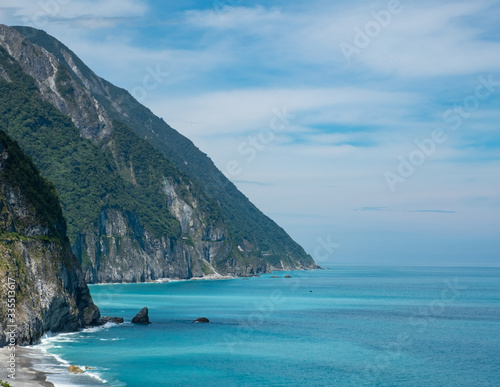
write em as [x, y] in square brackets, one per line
[116, 247]
[4, 74]
[121, 250]
[48, 289]
[86, 112]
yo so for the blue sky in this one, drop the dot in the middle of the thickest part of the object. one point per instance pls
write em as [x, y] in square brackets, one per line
[368, 129]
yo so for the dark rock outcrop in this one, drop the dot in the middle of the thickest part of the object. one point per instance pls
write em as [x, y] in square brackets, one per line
[47, 288]
[107, 319]
[142, 317]
[288, 276]
[202, 320]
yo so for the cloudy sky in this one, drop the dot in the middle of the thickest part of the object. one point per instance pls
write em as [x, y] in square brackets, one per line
[368, 129]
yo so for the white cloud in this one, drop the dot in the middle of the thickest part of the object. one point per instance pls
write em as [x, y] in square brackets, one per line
[427, 40]
[235, 18]
[351, 122]
[238, 111]
[86, 14]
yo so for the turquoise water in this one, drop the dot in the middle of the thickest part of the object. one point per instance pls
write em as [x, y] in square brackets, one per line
[347, 326]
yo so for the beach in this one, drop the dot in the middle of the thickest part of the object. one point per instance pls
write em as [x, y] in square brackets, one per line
[36, 368]
[25, 373]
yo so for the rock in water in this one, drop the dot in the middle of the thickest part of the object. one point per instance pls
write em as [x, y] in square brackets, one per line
[75, 369]
[141, 317]
[274, 276]
[288, 276]
[116, 320]
[202, 320]
[107, 319]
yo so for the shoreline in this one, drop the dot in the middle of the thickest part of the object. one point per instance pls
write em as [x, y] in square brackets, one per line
[210, 277]
[35, 367]
[26, 375]
[38, 368]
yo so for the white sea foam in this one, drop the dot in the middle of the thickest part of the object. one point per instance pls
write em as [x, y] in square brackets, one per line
[56, 366]
[210, 277]
[97, 377]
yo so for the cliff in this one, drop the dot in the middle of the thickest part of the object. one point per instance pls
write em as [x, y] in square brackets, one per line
[141, 201]
[42, 286]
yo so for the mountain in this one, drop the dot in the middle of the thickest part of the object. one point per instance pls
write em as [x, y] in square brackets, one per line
[141, 201]
[43, 283]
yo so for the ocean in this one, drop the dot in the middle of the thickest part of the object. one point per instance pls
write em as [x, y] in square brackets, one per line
[345, 326]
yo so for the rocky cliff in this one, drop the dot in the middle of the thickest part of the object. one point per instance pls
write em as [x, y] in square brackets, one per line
[42, 286]
[142, 202]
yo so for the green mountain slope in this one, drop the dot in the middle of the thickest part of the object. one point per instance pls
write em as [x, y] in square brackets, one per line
[142, 202]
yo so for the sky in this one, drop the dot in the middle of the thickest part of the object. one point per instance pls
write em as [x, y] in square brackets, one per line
[369, 130]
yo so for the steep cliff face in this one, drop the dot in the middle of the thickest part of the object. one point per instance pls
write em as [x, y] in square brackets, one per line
[121, 250]
[142, 202]
[39, 274]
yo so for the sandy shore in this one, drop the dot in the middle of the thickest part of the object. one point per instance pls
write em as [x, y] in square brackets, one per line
[25, 375]
[35, 368]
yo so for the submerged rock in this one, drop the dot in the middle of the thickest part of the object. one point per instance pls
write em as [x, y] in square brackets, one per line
[74, 369]
[274, 276]
[201, 320]
[142, 317]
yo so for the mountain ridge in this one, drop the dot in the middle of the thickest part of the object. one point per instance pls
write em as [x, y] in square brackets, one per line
[206, 226]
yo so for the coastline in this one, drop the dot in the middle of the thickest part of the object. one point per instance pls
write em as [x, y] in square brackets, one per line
[209, 277]
[26, 375]
[35, 367]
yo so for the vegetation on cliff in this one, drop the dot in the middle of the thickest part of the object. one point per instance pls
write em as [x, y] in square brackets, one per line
[105, 151]
[47, 290]
[86, 177]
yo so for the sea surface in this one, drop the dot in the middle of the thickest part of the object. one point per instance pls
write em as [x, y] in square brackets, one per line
[345, 326]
